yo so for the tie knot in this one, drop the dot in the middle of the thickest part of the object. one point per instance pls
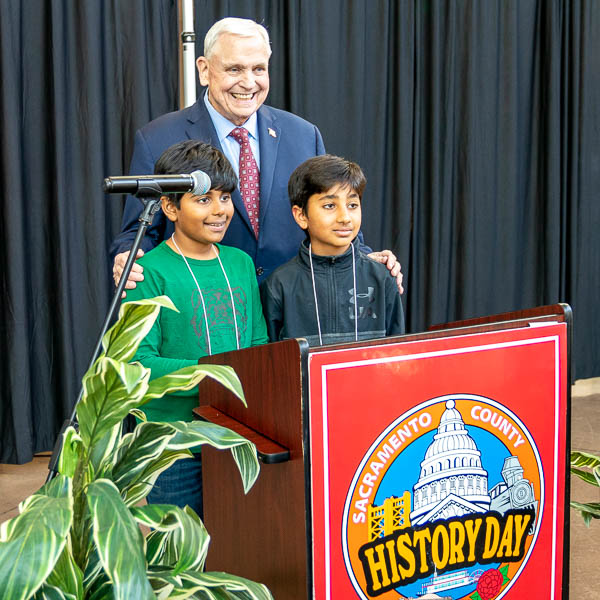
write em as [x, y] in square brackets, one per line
[240, 135]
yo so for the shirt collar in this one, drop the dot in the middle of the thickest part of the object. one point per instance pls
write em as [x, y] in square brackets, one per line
[225, 126]
[339, 261]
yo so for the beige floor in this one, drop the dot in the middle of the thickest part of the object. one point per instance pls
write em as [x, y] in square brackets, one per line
[17, 482]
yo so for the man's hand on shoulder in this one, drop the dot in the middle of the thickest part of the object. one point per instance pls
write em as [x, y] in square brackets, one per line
[388, 258]
[136, 274]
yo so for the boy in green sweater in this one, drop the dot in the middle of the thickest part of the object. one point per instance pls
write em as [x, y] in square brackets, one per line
[213, 286]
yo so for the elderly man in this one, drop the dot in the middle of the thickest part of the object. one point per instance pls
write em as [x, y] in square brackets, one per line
[263, 144]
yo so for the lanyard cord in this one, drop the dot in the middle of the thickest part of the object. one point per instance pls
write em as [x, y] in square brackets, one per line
[312, 274]
[355, 298]
[237, 341]
[237, 337]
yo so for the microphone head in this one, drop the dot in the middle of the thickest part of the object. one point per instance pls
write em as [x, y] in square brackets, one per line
[202, 183]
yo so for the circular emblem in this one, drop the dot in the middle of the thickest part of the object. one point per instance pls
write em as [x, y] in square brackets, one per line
[446, 503]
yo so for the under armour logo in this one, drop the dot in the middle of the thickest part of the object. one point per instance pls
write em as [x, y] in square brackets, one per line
[363, 301]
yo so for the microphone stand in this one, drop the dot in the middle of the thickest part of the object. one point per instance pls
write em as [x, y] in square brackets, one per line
[149, 193]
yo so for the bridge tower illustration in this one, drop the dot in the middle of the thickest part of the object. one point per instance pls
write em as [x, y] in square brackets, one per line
[392, 515]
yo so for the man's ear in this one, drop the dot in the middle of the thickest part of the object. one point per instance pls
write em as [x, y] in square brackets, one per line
[202, 66]
[300, 216]
[169, 208]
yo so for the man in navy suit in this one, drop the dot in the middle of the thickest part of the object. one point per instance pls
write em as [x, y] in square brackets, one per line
[235, 70]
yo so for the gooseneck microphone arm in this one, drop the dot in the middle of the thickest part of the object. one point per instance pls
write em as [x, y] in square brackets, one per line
[149, 193]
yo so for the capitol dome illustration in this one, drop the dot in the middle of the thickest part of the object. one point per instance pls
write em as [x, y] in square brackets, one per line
[452, 480]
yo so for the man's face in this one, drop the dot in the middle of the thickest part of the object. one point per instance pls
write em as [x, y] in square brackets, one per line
[237, 76]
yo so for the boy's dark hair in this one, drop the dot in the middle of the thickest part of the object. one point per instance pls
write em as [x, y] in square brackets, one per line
[319, 174]
[193, 155]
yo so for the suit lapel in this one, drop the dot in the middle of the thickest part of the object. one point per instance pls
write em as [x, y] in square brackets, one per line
[200, 127]
[268, 138]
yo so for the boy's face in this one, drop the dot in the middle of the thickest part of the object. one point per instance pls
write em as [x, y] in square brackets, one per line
[200, 221]
[332, 219]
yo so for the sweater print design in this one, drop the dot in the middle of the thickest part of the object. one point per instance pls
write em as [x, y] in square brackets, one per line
[218, 314]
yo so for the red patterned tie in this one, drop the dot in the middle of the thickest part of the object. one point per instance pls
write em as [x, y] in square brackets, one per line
[249, 176]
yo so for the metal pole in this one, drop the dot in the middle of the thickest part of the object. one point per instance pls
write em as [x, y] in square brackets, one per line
[188, 54]
[151, 200]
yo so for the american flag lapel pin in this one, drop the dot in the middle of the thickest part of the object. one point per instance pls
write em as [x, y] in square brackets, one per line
[272, 132]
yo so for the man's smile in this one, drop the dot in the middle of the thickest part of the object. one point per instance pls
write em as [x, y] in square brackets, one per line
[240, 96]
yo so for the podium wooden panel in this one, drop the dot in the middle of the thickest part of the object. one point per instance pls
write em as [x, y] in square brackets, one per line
[262, 535]
[267, 534]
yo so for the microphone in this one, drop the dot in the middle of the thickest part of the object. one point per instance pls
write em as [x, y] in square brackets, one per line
[197, 182]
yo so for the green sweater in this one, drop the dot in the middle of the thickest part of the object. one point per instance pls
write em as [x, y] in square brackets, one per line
[178, 340]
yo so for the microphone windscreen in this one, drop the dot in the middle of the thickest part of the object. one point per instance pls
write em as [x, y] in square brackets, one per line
[201, 183]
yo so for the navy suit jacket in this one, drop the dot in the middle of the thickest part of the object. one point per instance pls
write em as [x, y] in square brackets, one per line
[285, 141]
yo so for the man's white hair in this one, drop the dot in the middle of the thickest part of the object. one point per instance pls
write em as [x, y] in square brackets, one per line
[234, 26]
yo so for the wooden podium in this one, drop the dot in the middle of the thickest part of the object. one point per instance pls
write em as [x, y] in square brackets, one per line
[398, 467]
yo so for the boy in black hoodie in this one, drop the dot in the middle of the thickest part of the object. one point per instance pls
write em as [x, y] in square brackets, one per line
[331, 292]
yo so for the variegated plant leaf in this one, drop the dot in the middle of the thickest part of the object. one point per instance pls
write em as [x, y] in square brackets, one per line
[110, 390]
[94, 576]
[237, 587]
[246, 459]
[134, 492]
[140, 415]
[155, 516]
[31, 543]
[163, 582]
[584, 460]
[239, 595]
[217, 594]
[136, 318]
[186, 544]
[69, 454]
[162, 590]
[52, 592]
[589, 511]
[58, 487]
[194, 433]
[596, 472]
[185, 590]
[119, 542]
[173, 587]
[101, 590]
[188, 377]
[138, 450]
[155, 547]
[103, 453]
[67, 576]
[116, 563]
[591, 477]
[233, 584]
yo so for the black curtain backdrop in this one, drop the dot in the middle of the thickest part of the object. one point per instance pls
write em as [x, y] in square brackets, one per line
[477, 125]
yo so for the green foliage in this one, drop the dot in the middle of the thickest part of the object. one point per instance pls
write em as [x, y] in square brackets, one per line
[31, 543]
[587, 467]
[79, 536]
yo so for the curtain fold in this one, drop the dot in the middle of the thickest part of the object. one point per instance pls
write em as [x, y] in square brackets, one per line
[77, 79]
[477, 125]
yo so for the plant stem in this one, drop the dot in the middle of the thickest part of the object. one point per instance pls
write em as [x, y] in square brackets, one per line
[80, 529]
